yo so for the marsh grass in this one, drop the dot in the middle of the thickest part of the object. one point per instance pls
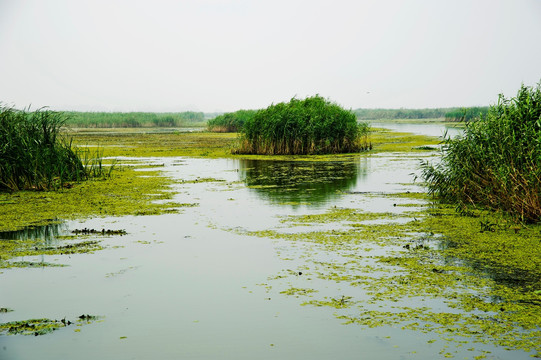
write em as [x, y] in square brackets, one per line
[466, 114]
[496, 163]
[310, 126]
[35, 155]
[134, 119]
[230, 122]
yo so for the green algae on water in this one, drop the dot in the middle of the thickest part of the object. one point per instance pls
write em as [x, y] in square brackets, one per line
[36, 327]
[438, 273]
[125, 193]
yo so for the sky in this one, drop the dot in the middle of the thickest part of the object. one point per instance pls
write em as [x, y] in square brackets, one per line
[225, 55]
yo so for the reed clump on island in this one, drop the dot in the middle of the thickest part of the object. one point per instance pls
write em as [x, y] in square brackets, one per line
[301, 127]
[496, 163]
[35, 155]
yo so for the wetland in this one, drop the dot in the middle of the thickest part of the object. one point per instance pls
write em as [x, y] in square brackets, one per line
[188, 251]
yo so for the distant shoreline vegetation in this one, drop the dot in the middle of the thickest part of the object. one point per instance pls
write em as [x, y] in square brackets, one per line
[134, 119]
[449, 114]
[233, 121]
[300, 127]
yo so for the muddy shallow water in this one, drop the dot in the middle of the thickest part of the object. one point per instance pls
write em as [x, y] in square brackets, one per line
[198, 285]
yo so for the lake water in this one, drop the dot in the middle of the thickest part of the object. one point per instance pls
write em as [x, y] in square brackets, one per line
[197, 284]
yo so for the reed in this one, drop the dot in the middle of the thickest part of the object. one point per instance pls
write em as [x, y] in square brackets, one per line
[310, 126]
[466, 114]
[496, 163]
[35, 155]
[230, 122]
[134, 119]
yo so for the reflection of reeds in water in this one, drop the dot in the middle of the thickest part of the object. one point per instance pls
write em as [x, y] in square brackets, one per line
[299, 182]
[47, 233]
[34, 155]
[497, 162]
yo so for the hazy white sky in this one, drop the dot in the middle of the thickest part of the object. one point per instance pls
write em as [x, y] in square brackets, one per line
[224, 55]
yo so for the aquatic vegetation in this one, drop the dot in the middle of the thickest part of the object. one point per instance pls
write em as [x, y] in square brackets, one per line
[310, 126]
[497, 162]
[298, 292]
[230, 122]
[14, 249]
[437, 273]
[384, 140]
[141, 143]
[466, 114]
[87, 231]
[338, 303]
[35, 155]
[36, 327]
[127, 192]
[134, 142]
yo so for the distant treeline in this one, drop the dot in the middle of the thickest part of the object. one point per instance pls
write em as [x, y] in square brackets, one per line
[450, 114]
[134, 119]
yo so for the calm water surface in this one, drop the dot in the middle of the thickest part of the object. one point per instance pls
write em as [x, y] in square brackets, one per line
[189, 285]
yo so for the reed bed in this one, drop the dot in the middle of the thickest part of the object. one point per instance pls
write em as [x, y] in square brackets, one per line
[134, 119]
[310, 126]
[466, 114]
[230, 122]
[35, 155]
[496, 163]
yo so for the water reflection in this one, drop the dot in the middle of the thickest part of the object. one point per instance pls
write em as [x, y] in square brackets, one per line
[47, 233]
[300, 182]
[429, 129]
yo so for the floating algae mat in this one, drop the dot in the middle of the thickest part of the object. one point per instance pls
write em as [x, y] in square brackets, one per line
[313, 259]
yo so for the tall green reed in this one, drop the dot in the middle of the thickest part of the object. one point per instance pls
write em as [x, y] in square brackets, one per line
[35, 155]
[496, 163]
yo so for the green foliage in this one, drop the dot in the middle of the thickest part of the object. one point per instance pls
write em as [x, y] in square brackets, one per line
[310, 126]
[381, 114]
[496, 163]
[34, 155]
[230, 122]
[450, 114]
[466, 114]
[134, 119]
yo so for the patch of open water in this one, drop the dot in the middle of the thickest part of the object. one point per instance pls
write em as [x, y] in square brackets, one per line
[196, 285]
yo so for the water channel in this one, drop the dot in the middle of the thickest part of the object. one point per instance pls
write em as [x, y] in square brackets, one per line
[199, 285]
